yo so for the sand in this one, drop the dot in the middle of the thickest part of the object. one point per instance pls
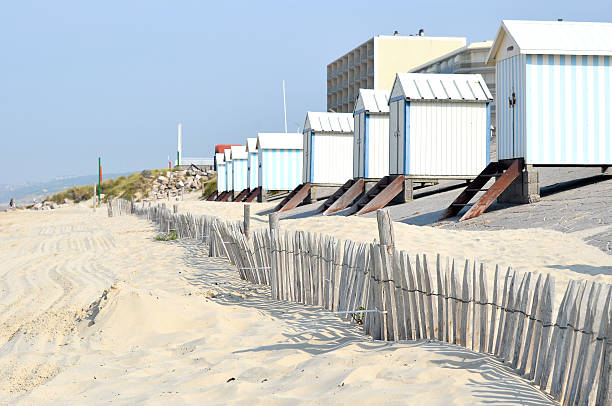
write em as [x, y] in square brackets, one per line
[94, 310]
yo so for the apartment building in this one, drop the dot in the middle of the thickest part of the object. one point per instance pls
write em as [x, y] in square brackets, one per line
[373, 65]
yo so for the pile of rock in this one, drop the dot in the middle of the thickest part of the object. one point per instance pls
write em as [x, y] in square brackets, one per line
[177, 182]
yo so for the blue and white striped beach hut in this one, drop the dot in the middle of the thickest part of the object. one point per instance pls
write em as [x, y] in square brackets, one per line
[229, 178]
[221, 173]
[554, 90]
[239, 168]
[280, 160]
[371, 141]
[252, 164]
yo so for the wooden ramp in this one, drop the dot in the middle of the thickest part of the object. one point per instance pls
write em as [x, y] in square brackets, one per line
[252, 195]
[223, 197]
[505, 170]
[242, 195]
[293, 199]
[212, 197]
[343, 197]
[379, 196]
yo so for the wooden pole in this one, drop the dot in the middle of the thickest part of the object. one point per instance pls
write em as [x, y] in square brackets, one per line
[247, 220]
[273, 220]
[385, 228]
[93, 199]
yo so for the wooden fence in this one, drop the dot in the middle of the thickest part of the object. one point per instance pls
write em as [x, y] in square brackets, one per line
[566, 350]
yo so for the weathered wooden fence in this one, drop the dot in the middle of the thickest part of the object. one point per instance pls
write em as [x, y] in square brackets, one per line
[565, 350]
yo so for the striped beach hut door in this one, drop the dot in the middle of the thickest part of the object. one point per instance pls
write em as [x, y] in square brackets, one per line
[512, 107]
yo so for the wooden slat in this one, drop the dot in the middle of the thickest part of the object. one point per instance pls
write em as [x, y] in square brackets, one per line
[400, 295]
[300, 195]
[343, 197]
[465, 305]
[244, 193]
[520, 321]
[493, 310]
[529, 336]
[253, 195]
[494, 191]
[412, 317]
[456, 308]
[483, 297]
[602, 352]
[441, 301]
[421, 299]
[502, 315]
[384, 197]
[428, 300]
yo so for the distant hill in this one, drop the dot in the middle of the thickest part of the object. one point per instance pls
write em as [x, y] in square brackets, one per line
[24, 193]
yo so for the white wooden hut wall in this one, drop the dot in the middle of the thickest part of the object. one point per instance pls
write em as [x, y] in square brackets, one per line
[252, 164]
[561, 78]
[221, 173]
[371, 140]
[229, 179]
[328, 148]
[432, 135]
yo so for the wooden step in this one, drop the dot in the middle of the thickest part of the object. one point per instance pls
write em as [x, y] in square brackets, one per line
[379, 196]
[346, 198]
[242, 195]
[297, 196]
[225, 196]
[506, 171]
[253, 195]
[336, 195]
[212, 197]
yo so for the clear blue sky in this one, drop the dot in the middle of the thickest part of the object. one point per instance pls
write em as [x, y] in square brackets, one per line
[80, 79]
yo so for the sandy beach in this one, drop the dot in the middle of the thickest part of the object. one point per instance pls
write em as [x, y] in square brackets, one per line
[94, 310]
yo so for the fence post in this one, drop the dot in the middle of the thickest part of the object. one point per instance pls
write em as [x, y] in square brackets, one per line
[168, 195]
[273, 220]
[247, 220]
[385, 229]
[93, 199]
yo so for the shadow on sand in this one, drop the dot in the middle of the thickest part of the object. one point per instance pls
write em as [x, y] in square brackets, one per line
[317, 331]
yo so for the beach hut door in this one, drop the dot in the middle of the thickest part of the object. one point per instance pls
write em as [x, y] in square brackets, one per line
[359, 148]
[397, 138]
[512, 107]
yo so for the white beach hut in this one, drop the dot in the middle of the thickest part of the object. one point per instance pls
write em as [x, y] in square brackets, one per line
[328, 148]
[279, 161]
[371, 140]
[221, 173]
[439, 126]
[554, 92]
[252, 164]
[239, 168]
[229, 178]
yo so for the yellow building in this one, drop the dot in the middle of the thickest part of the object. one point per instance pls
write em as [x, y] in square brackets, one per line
[373, 65]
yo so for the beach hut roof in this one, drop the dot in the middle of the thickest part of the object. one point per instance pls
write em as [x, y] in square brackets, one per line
[440, 86]
[239, 152]
[220, 158]
[251, 144]
[228, 154]
[372, 101]
[280, 141]
[329, 122]
[554, 38]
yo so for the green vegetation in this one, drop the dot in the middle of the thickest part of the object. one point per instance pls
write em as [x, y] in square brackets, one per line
[209, 188]
[136, 185]
[172, 235]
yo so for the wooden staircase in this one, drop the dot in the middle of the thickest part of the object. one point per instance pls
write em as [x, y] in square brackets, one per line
[212, 197]
[505, 170]
[223, 197]
[252, 195]
[293, 199]
[242, 195]
[379, 196]
[343, 197]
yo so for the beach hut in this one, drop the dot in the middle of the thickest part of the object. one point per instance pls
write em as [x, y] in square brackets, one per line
[221, 174]
[252, 163]
[279, 161]
[554, 83]
[554, 90]
[239, 171]
[439, 126]
[328, 146]
[371, 140]
[229, 177]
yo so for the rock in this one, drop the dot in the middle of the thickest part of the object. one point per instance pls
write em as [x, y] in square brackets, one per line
[180, 183]
[162, 179]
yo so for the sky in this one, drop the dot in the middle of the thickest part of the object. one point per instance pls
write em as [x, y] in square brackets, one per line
[82, 79]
